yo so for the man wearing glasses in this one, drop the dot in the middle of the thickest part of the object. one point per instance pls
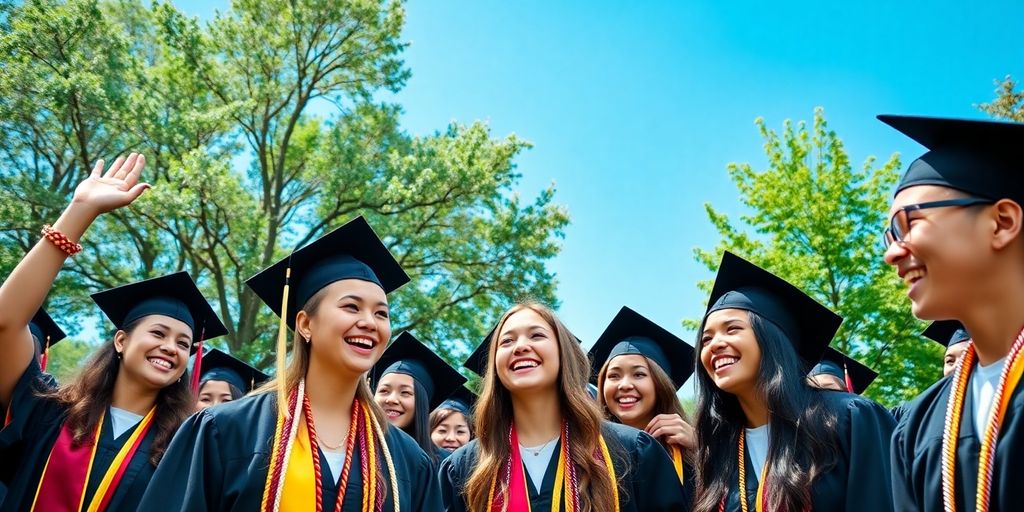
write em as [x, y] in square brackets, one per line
[954, 237]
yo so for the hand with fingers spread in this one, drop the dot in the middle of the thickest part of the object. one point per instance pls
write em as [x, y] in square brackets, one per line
[672, 429]
[119, 186]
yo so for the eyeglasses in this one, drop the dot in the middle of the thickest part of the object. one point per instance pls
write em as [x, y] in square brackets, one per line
[899, 224]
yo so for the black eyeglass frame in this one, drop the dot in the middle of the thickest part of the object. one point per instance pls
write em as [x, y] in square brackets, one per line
[892, 234]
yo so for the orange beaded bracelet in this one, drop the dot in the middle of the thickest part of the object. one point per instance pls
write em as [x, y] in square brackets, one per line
[61, 241]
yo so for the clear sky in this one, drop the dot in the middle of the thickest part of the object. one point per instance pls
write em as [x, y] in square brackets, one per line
[636, 108]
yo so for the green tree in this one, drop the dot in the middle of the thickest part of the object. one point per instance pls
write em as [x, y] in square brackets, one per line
[815, 220]
[1009, 102]
[245, 171]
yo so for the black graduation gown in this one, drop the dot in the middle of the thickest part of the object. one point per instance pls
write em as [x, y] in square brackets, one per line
[25, 446]
[218, 461]
[859, 480]
[917, 453]
[647, 480]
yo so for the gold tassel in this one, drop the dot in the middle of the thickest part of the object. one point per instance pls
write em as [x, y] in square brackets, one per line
[282, 349]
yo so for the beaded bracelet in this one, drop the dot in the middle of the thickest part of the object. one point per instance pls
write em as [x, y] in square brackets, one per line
[61, 241]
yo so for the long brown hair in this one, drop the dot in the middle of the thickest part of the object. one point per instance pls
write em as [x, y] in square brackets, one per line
[494, 419]
[665, 399]
[91, 392]
[299, 365]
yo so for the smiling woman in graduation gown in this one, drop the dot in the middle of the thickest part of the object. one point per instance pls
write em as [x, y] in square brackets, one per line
[92, 444]
[410, 381]
[535, 387]
[765, 437]
[638, 367]
[313, 438]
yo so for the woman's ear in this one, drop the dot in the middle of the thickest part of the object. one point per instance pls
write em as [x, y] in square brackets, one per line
[302, 321]
[119, 338]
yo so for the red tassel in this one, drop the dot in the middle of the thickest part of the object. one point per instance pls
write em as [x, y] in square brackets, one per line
[46, 355]
[849, 382]
[197, 365]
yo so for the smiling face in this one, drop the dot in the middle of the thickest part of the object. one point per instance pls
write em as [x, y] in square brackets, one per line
[628, 389]
[396, 395]
[213, 392]
[526, 358]
[452, 432]
[156, 351]
[729, 352]
[944, 255]
[349, 328]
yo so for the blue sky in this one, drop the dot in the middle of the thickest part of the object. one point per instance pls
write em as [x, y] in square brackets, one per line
[636, 108]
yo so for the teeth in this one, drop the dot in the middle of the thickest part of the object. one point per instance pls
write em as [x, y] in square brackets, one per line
[362, 342]
[524, 364]
[392, 414]
[725, 361]
[913, 275]
[160, 362]
[629, 400]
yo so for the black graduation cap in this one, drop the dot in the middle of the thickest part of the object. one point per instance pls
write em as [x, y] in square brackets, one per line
[947, 332]
[462, 400]
[477, 361]
[353, 251]
[743, 285]
[981, 158]
[46, 332]
[175, 295]
[407, 355]
[219, 365]
[838, 364]
[631, 333]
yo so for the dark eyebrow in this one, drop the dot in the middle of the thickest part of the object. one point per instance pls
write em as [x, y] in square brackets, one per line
[360, 299]
[168, 328]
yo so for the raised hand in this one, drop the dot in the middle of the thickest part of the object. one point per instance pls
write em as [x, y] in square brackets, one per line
[119, 186]
[673, 430]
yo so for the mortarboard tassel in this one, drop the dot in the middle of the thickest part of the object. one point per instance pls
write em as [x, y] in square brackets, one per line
[849, 382]
[197, 365]
[282, 346]
[46, 354]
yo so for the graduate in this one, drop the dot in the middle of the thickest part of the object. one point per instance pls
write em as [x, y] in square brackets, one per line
[45, 333]
[951, 335]
[838, 372]
[766, 439]
[93, 443]
[638, 367]
[955, 239]
[451, 424]
[312, 438]
[541, 442]
[410, 381]
[224, 378]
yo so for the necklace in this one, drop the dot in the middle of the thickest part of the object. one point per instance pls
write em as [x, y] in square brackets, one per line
[537, 451]
[329, 447]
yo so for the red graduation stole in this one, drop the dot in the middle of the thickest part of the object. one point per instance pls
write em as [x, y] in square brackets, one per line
[66, 474]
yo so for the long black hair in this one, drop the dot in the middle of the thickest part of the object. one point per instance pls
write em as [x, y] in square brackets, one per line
[419, 427]
[803, 437]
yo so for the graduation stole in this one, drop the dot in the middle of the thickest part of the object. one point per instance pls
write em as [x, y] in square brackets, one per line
[566, 483]
[677, 461]
[1008, 379]
[67, 470]
[762, 496]
[294, 476]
